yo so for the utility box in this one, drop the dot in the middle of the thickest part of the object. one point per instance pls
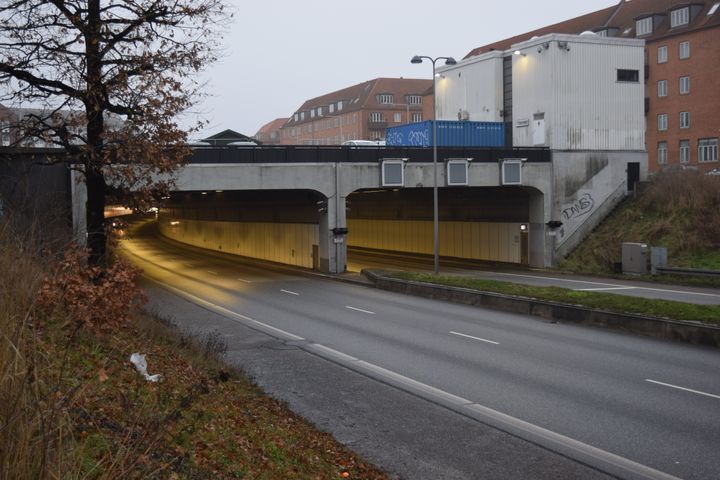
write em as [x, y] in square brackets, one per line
[658, 259]
[634, 258]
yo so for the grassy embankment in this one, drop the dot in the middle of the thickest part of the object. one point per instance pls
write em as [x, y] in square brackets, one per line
[603, 301]
[72, 406]
[678, 210]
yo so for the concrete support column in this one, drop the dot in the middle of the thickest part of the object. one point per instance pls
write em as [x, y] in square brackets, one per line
[540, 245]
[333, 230]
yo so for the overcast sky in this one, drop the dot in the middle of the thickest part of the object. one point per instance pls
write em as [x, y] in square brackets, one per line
[280, 53]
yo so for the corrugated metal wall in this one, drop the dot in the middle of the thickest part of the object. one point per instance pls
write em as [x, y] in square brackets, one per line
[584, 106]
[476, 240]
[475, 87]
[289, 243]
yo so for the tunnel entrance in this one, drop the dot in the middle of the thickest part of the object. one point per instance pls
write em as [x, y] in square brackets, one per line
[476, 223]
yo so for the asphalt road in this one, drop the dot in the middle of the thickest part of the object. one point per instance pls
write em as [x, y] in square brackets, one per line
[630, 406]
[359, 259]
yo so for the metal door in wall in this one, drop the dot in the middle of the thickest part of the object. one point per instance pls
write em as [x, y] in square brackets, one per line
[633, 175]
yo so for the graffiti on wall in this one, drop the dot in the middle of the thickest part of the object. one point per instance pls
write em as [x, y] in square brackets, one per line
[581, 206]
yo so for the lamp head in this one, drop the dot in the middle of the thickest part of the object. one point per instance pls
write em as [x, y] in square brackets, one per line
[416, 59]
[450, 61]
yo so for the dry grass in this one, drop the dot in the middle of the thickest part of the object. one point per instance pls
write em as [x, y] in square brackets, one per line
[677, 210]
[73, 407]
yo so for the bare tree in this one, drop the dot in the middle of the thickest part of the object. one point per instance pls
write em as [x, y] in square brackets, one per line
[133, 60]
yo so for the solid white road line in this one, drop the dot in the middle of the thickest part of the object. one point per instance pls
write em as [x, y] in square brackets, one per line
[288, 291]
[601, 289]
[475, 338]
[683, 388]
[360, 310]
[229, 313]
[243, 280]
[615, 464]
[211, 272]
[609, 284]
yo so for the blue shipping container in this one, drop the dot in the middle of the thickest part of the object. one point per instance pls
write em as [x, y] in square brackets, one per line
[450, 134]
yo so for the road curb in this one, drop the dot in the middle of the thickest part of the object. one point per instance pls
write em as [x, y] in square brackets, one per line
[688, 332]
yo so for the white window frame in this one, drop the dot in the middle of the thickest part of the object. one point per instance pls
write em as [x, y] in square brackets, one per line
[644, 26]
[680, 17]
[339, 105]
[385, 99]
[684, 85]
[684, 149]
[414, 99]
[684, 50]
[457, 161]
[393, 161]
[417, 117]
[684, 119]
[662, 88]
[707, 150]
[662, 54]
[397, 117]
[662, 152]
[510, 162]
[662, 122]
[377, 117]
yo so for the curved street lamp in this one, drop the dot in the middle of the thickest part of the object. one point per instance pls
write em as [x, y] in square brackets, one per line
[436, 222]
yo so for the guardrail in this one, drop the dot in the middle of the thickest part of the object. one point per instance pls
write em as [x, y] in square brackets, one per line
[694, 272]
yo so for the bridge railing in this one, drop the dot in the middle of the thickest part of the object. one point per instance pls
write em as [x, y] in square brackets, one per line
[352, 154]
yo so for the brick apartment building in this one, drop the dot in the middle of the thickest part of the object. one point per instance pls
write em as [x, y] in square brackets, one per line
[360, 112]
[269, 134]
[682, 64]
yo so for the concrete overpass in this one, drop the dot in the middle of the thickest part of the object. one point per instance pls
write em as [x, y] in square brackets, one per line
[303, 205]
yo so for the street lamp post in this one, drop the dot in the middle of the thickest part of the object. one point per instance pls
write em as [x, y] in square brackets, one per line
[436, 219]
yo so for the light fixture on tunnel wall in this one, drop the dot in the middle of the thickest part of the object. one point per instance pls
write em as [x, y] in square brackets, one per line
[523, 227]
[436, 220]
[218, 191]
[203, 193]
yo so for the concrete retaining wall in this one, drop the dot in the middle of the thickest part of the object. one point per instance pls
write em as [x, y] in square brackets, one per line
[289, 243]
[688, 332]
[493, 241]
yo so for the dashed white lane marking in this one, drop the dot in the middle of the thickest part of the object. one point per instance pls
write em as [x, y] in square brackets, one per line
[360, 310]
[212, 272]
[599, 289]
[523, 429]
[230, 314]
[288, 291]
[475, 338]
[683, 388]
[244, 280]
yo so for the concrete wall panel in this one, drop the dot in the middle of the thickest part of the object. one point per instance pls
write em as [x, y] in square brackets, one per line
[277, 242]
[493, 241]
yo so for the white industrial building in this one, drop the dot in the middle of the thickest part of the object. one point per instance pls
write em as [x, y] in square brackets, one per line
[580, 95]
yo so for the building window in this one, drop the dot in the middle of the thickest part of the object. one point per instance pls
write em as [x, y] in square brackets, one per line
[684, 151]
[624, 75]
[708, 150]
[339, 105]
[397, 118]
[377, 117]
[684, 85]
[644, 26]
[331, 108]
[417, 117]
[296, 117]
[684, 119]
[662, 153]
[662, 54]
[662, 88]
[414, 99]
[312, 113]
[684, 49]
[679, 17]
[662, 123]
[302, 116]
[713, 9]
[385, 99]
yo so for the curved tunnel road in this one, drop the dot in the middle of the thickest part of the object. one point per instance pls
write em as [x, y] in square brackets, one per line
[634, 407]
